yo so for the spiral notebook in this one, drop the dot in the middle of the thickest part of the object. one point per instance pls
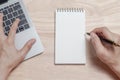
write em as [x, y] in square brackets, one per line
[69, 38]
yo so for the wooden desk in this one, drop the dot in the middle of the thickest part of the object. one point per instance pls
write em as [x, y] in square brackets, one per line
[98, 13]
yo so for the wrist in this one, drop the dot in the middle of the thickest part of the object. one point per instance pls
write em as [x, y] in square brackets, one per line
[4, 73]
[116, 69]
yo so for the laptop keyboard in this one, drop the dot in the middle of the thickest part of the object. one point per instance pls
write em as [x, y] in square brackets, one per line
[12, 12]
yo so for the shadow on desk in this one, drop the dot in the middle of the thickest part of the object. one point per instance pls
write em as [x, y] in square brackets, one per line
[94, 61]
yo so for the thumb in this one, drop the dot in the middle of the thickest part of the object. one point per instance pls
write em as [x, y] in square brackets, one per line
[98, 46]
[27, 47]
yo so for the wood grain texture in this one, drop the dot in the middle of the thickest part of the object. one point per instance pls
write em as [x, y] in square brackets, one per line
[98, 13]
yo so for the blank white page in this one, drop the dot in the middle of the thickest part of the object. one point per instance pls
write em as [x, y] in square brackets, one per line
[69, 38]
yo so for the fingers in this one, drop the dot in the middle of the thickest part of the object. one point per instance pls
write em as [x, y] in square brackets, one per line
[2, 35]
[101, 29]
[13, 29]
[98, 46]
[27, 47]
[101, 51]
[103, 32]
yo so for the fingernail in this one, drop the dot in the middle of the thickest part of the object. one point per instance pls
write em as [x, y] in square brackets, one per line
[92, 35]
[17, 19]
[87, 37]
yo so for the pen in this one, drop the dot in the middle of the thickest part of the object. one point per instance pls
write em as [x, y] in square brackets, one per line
[108, 41]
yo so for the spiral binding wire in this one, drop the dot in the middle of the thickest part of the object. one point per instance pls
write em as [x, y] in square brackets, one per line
[70, 10]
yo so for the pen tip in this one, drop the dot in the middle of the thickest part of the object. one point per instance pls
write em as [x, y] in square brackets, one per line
[87, 36]
[88, 33]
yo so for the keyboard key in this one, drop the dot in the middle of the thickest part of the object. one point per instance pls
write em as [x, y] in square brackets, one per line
[12, 20]
[21, 28]
[18, 7]
[15, 8]
[10, 10]
[4, 18]
[26, 26]
[7, 28]
[11, 5]
[6, 7]
[10, 16]
[5, 12]
[6, 34]
[15, 14]
[16, 3]
[17, 31]
[21, 17]
[20, 12]
[22, 22]
[8, 22]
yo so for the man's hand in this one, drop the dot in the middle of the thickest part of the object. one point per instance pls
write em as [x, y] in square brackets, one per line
[10, 57]
[107, 53]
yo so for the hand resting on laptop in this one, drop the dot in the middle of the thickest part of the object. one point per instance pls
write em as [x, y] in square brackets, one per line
[10, 57]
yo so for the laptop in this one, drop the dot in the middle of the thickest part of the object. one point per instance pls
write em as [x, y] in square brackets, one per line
[13, 9]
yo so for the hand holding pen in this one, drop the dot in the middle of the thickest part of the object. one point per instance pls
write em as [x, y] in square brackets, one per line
[106, 45]
[107, 40]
